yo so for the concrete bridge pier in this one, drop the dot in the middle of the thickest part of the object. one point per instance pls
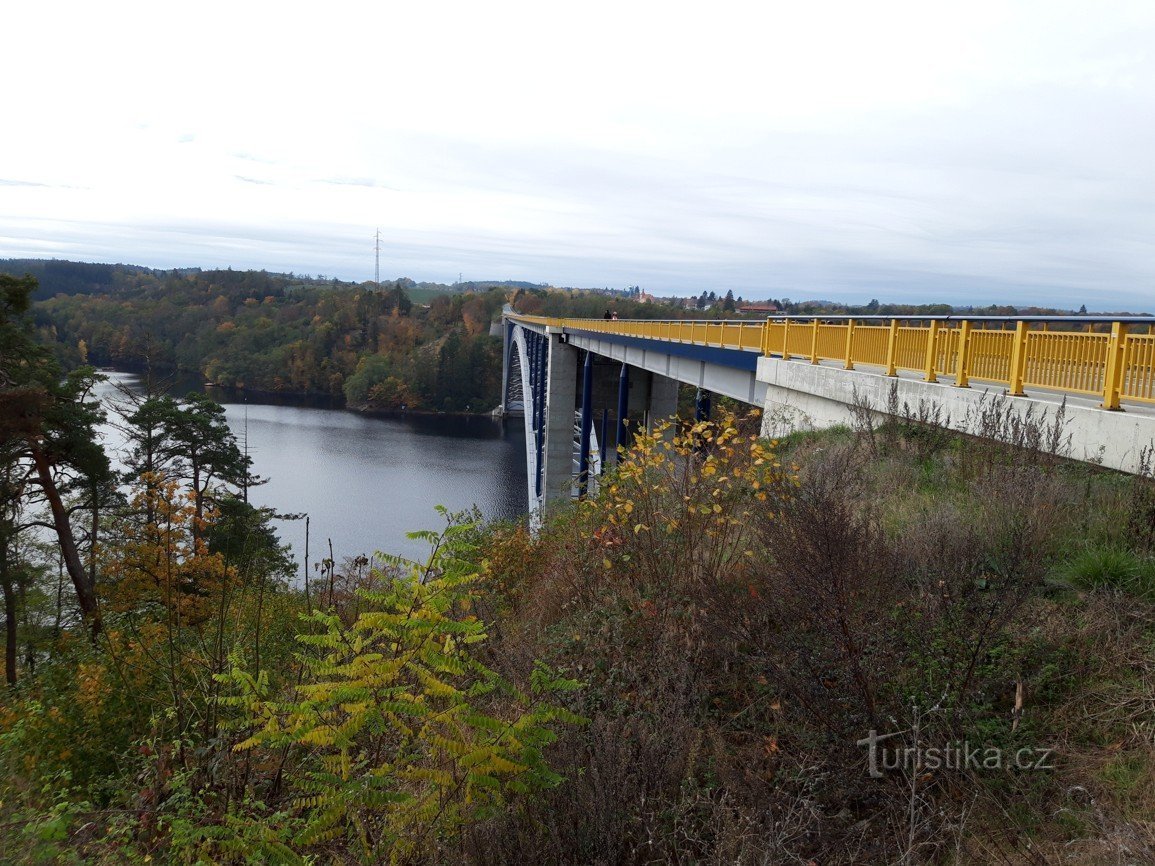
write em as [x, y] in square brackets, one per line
[604, 400]
[560, 400]
[663, 402]
[653, 399]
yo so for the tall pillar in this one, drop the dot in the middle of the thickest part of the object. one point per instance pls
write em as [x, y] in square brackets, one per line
[506, 347]
[541, 351]
[603, 439]
[560, 399]
[663, 401]
[587, 424]
[623, 406]
[702, 405]
[639, 400]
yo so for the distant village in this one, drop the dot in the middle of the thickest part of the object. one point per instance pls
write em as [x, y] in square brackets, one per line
[705, 301]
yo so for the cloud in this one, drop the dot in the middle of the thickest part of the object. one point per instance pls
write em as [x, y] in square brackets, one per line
[249, 157]
[997, 152]
[367, 182]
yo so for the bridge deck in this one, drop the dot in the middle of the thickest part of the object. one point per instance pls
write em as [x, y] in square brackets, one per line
[1097, 362]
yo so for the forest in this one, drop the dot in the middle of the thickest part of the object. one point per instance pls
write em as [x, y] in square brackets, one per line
[368, 346]
[286, 334]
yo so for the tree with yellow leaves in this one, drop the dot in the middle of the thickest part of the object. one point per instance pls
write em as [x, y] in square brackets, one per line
[404, 735]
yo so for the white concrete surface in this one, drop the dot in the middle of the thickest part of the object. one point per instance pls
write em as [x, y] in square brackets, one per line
[560, 397]
[801, 395]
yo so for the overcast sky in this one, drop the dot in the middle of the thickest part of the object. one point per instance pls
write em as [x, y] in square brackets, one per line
[969, 152]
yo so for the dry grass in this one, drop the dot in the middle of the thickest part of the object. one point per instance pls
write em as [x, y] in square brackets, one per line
[891, 574]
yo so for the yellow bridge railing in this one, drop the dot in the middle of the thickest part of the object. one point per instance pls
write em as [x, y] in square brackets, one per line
[1113, 359]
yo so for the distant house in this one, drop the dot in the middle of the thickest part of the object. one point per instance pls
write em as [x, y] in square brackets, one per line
[764, 307]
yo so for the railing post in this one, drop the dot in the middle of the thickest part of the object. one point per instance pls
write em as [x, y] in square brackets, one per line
[814, 342]
[892, 349]
[930, 374]
[786, 339]
[1113, 380]
[1018, 360]
[962, 376]
[766, 338]
[850, 344]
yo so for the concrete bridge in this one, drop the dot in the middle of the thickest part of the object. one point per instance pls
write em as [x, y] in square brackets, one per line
[577, 381]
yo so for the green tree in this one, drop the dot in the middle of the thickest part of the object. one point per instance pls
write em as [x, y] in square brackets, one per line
[48, 445]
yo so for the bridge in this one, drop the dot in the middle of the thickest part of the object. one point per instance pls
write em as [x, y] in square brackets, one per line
[577, 382]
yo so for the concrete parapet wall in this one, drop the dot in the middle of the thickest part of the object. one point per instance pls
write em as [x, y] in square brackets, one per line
[803, 396]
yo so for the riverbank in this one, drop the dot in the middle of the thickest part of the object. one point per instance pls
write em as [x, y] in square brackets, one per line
[182, 381]
[366, 481]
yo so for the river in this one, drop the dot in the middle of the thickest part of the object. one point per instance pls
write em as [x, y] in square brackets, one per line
[367, 481]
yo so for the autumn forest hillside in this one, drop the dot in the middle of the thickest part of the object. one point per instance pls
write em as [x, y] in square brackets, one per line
[288, 334]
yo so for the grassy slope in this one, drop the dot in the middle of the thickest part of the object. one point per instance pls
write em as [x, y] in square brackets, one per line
[913, 578]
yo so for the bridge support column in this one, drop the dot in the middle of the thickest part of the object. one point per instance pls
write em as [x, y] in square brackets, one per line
[702, 405]
[663, 400]
[623, 405]
[587, 424]
[639, 399]
[507, 347]
[560, 399]
[603, 438]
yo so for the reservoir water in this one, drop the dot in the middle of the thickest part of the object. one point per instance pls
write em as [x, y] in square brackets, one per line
[367, 481]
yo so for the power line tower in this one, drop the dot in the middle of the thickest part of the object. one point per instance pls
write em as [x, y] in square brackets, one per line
[377, 261]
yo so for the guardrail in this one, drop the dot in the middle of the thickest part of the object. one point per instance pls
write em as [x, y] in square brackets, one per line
[1091, 355]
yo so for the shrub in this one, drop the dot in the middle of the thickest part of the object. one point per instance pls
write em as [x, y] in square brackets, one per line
[404, 736]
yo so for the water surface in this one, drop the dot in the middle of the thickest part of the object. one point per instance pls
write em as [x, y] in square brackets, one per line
[366, 481]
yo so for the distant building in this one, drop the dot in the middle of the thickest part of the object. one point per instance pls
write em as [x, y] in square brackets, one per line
[764, 307]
